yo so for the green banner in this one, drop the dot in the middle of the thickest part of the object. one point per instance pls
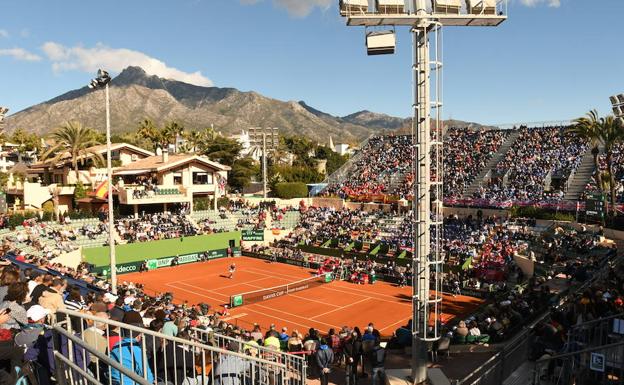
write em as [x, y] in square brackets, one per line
[237, 300]
[252, 235]
[153, 264]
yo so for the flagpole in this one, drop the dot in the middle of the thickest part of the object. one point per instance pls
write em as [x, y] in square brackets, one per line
[109, 169]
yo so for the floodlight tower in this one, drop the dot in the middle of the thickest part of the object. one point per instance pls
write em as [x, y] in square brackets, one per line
[425, 18]
[618, 106]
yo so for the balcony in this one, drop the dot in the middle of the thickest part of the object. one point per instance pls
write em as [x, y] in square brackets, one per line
[137, 195]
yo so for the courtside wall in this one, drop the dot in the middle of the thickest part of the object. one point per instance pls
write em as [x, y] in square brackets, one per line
[140, 251]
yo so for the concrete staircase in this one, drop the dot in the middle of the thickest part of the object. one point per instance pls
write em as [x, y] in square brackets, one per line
[476, 183]
[581, 177]
[192, 221]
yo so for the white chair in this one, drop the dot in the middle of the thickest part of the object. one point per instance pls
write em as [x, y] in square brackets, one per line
[390, 6]
[447, 6]
[478, 7]
[353, 7]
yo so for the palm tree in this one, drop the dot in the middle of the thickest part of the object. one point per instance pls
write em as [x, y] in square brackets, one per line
[171, 132]
[588, 128]
[148, 130]
[194, 138]
[611, 134]
[73, 140]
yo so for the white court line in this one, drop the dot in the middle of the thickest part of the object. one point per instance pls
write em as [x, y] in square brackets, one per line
[304, 298]
[364, 293]
[396, 323]
[202, 289]
[248, 309]
[340, 308]
[290, 277]
[396, 301]
[292, 315]
[241, 315]
[193, 292]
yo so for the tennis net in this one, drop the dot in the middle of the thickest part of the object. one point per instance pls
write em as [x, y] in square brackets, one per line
[260, 295]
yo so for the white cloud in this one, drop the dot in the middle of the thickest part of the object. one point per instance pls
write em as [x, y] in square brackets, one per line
[114, 60]
[298, 8]
[19, 54]
[534, 3]
[4, 33]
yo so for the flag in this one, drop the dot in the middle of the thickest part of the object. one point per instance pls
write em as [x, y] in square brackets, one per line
[102, 190]
[221, 181]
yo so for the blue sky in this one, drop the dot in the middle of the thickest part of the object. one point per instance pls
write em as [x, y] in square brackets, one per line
[549, 61]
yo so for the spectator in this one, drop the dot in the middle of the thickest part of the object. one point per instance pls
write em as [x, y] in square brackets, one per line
[378, 359]
[128, 353]
[230, 369]
[14, 300]
[324, 360]
[52, 299]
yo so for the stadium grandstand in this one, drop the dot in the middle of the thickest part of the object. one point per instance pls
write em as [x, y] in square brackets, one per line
[497, 259]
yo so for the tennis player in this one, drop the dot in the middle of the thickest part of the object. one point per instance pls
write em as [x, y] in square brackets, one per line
[232, 270]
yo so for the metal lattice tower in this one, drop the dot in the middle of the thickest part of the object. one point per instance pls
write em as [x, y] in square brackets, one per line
[425, 18]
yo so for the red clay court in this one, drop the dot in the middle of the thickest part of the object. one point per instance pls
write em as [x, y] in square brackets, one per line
[330, 305]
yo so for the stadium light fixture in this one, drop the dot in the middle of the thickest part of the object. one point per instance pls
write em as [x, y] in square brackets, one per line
[425, 19]
[101, 81]
[617, 101]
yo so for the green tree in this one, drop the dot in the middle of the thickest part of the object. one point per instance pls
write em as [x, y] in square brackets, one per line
[73, 141]
[148, 131]
[170, 134]
[243, 170]
[223, 150]
[194, 140]
[334, 160]
[611, 133]
[588, 128]
[25, 142]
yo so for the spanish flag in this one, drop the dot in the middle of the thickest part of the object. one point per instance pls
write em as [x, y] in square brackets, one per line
[102, 190]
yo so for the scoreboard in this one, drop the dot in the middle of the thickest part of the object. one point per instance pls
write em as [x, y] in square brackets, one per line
[595, 205]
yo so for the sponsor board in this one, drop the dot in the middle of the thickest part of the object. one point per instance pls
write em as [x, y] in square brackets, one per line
[252, 235]
[153, 264]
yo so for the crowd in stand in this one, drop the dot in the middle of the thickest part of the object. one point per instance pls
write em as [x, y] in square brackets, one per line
[466, 153]
[347, 226]
[618, 173]
[521, 174]
[383, 158]
[35, 298]
[150, 227]
[384, 166]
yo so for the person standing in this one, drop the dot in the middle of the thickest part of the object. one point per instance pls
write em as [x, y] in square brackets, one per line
[324, 360]
[377, 359]
[352, 352]
[232, 270]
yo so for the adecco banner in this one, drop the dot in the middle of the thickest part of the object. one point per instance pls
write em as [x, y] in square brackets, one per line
[124, 268]
[164, 262]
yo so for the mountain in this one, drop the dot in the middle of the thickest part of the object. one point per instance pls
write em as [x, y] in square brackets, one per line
[373, 119]
[135, 95]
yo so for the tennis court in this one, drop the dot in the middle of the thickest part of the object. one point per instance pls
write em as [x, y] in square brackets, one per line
[325, 306]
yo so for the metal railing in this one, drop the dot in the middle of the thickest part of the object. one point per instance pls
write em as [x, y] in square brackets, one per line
[595, 365]
[122, 354]
[296, 362]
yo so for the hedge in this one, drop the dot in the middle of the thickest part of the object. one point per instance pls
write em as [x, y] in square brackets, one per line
[289, 190]
[540, 213]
